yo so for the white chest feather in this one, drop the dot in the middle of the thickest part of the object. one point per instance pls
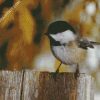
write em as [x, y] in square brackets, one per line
[68, 55]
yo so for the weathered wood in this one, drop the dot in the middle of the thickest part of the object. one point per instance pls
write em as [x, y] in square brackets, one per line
[62, 87]
[30, 85]
[10, 85]
[85, 87]
[33, 85]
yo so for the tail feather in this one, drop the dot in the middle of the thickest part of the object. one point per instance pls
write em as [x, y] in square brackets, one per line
[84, 43]
[95, 43]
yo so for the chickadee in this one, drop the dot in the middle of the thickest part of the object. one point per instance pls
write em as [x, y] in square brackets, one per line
[66, 44]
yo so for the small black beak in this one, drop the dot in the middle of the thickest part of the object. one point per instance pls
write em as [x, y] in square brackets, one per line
[46, 34]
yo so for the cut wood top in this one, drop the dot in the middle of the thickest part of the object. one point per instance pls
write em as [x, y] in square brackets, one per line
[34, 85]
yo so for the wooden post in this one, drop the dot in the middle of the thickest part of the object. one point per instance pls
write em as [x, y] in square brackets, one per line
[10, 85]
[32, 85]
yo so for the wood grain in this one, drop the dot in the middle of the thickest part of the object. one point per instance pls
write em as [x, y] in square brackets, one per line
[10, 85]
[33, 85]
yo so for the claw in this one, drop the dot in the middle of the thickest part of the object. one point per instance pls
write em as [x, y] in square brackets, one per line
[77, 73]
[54, 75]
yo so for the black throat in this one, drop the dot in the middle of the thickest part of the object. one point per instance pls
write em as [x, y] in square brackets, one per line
[54, 42]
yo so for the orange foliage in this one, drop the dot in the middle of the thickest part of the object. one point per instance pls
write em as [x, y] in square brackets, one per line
[46, 9]
[1, 1]
[73, 18]
[21, 49]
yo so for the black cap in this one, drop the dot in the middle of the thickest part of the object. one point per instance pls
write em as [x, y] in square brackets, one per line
[59, 26]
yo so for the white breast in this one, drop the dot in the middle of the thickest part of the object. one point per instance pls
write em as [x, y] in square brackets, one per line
[69, 55]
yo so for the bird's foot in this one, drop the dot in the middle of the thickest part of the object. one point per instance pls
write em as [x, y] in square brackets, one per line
[77, 73]
[54, 75]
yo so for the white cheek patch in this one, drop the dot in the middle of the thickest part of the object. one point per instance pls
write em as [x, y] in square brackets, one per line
[56, 37]
[64, 37]
[67, 36]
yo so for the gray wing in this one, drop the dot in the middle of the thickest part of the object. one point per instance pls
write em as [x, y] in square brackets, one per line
[85, 44]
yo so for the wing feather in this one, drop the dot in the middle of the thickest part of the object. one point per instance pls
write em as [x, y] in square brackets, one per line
[85, 44]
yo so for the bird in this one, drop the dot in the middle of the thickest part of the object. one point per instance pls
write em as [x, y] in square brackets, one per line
[67, 45]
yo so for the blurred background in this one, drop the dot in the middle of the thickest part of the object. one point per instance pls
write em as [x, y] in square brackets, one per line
[24, 22]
